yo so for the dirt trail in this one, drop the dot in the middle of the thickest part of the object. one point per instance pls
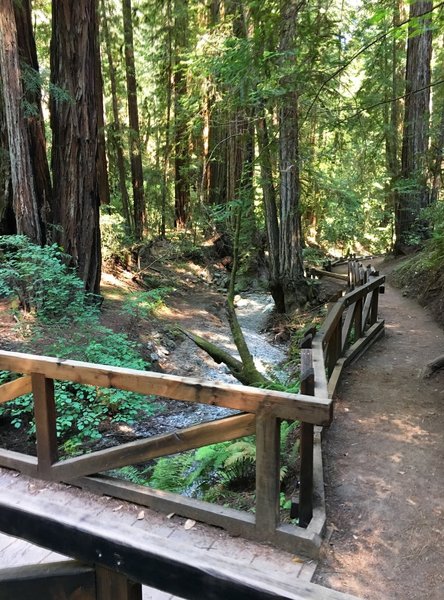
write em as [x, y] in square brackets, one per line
[384, 466]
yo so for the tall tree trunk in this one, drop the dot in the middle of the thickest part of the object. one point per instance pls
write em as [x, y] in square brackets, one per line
[102, 163]
[115, 136]
[133, 116]
[34, 120]
[181, 141]
[75, 122]
[393, 113]
[290, 247]
[25, 202]
[415, 141]
[7, 218]
[169, 100]
[437, 140]
[270, 210]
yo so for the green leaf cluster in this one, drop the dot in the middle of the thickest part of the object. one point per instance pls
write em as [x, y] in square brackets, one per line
[67, 326]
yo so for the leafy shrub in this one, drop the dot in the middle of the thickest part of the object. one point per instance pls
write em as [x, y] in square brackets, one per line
[43, 283]
[116, 241]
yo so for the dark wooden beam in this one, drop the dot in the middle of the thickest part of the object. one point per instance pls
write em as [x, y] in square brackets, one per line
[161, 563]
[67, 580]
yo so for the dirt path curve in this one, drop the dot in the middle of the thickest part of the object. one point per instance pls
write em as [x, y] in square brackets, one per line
[384, 461]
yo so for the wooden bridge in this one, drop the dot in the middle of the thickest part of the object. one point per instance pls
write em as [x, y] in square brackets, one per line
[118, 556]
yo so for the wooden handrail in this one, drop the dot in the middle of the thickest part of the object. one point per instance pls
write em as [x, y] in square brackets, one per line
[186, 389]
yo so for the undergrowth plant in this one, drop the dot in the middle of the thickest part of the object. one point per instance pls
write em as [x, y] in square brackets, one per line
[67, 326]
[217, 471]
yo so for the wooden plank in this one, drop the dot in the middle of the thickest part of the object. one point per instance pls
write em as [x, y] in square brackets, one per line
[359, 325]
[306, 445]
[187, 389]
[348, 321]
[323, 273]
[362, 291]
[15, 389]
[353, 353]
[45, 422]
[267, 473]
[116, 586]
[375, 305]
[366, 310]
[161, 563]
[371, 335]
[160, 445]
[321, 390]
[18, 462]
[334, 348]
[237, 523]
[66, 580]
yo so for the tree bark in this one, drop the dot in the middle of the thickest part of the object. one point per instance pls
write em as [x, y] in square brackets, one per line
[133, 116]
[415, 141]
[7, 217]
[181, 141]
[34, 120]
[290, 247]
[270, 210]
[75, 123]
[115, 136]
[25, 201]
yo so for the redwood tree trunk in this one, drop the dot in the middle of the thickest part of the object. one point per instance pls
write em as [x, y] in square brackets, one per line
[133, 115]
[270, 210]
[34, 121]
[115, 136]
[415, 141]
[25, 202]
[181, 142]
[7, 218]
[290, 246]
[74, 48]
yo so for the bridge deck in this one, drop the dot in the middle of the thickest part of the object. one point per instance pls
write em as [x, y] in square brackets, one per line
[106, 511]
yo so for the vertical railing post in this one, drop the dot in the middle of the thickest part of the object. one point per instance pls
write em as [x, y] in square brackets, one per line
[374, 307]
[45, 423]
[358, 319]
[334, 347]
[111, 585]
[267, 474]
[306, 444]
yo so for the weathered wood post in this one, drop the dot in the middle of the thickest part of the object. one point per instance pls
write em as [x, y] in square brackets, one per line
[115, 586]
[267, 474]
[374, 308]
[358, 319]
[306, 445]
[45, 423]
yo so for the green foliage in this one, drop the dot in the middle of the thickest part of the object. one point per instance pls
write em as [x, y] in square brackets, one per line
[44, 285]
[142, 304]
[434, 249]
[214, 471]
[116, 240]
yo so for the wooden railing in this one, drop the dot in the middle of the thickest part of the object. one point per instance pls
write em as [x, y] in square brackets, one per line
[261, 412]
[350, 326]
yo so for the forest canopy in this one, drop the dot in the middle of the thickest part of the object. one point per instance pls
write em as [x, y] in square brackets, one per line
[280, 126]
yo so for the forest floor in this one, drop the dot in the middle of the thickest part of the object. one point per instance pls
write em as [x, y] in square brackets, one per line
[384, 464]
